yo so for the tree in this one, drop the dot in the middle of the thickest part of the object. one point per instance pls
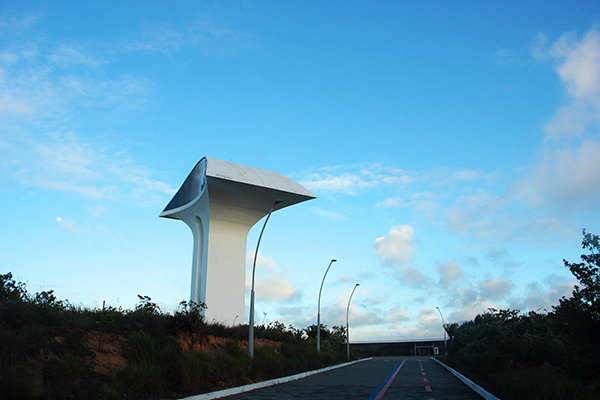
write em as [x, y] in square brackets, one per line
[11, 290]
[586, 297]
[577, 318]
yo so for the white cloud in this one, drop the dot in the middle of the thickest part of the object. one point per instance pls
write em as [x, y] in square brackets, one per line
[397, 247]
[270, 283]
[396, 251]
[579, 69]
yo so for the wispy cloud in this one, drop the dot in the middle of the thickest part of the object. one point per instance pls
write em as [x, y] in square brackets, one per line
[354, 179]
[330, 215]
[542, 295]
[70, 227]
[495, 288]
[45, 85]
[336, 312]
[449, 272]
[206, 34]
[67, 163]
[566, 179]
[65, 56]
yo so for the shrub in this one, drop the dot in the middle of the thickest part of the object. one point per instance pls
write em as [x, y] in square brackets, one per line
[143, 380]
[67, 376]
[15, 382]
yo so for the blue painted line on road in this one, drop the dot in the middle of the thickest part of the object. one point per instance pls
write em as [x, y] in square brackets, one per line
[391, 376]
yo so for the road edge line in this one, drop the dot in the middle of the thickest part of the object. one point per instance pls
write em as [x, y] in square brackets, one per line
[259, 385]
[478, 389]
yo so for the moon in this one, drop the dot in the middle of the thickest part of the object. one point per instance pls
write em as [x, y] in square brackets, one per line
[58, 219]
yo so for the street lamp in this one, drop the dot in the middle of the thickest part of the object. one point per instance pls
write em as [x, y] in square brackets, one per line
[319, 309]
[347, 326]
[443, 326]
[251, 322]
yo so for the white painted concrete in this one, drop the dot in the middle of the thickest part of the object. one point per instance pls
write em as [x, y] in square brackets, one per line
[220, 201]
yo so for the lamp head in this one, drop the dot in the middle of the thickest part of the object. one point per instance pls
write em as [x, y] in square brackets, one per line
[334, 260]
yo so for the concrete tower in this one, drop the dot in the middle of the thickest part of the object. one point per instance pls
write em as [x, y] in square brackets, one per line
[220, 201]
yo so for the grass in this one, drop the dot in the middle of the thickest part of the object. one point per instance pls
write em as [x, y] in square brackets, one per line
[49, 350]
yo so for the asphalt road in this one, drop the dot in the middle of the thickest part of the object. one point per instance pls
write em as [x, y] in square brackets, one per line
[379, 378]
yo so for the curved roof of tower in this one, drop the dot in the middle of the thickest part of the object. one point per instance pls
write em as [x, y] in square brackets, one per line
[224, 176]
[253, 176]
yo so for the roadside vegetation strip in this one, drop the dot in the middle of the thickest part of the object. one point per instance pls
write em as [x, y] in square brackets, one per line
[380, 391]
[478, 389]
[260, 385]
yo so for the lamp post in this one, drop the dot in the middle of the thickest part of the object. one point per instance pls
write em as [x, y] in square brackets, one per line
[319, 309]
[347, 326]
[251, 321]
[443, 326]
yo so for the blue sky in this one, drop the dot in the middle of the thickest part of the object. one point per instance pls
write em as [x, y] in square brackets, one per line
[453, 148]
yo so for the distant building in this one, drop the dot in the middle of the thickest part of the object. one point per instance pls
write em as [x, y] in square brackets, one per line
[422, 347]
[220, 201]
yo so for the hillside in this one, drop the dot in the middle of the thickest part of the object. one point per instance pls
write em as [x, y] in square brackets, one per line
[51, 349]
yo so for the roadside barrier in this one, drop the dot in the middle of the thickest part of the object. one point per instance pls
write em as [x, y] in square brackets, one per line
[478, 389]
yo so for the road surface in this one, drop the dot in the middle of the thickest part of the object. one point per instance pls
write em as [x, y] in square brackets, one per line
[379, 378]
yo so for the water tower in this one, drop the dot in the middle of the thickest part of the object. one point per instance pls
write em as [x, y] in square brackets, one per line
[220, 201]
